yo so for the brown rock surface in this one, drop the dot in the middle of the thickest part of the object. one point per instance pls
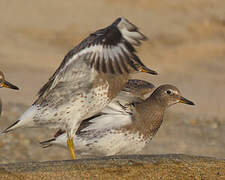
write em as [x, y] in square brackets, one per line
[120, 167]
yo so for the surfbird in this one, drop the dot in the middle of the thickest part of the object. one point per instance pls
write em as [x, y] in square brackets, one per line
[123, 129]
[89, 77]
[6, 84]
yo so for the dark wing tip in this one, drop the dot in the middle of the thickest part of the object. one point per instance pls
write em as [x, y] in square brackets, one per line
[149, 71]
[117, 21]
[142, 68]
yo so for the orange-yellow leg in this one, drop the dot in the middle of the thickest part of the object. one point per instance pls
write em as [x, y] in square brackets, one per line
[71, 147]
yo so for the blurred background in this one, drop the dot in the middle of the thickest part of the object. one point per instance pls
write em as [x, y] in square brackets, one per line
[186, 45]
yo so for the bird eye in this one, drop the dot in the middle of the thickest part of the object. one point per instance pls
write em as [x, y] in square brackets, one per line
[168, 92]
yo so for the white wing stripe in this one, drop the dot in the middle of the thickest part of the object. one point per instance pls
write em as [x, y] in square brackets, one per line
[104, 53]
[110, 52]
[131, 40]
[124, 48]
[96, 56]
[91, 49]
[132, 34]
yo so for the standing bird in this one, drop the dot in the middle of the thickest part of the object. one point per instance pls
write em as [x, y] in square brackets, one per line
[6, 84]
[123, 129]
[89, 77]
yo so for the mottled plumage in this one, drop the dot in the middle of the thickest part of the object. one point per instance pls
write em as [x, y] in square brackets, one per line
[125, 128]
[89, 77]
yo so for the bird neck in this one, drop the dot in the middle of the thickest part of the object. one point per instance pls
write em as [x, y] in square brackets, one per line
[151, 106]
[147, 118]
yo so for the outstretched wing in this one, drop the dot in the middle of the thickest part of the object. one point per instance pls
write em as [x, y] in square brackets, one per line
[108, 50]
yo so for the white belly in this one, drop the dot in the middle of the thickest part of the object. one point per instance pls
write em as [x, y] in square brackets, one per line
[106, 143]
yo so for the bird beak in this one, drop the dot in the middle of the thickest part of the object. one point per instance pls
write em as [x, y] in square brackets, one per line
[147, 70]
[7, 84]
[185, 101]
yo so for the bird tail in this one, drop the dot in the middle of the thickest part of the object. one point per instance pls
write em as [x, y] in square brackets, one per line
[10, 128]
[26, 120]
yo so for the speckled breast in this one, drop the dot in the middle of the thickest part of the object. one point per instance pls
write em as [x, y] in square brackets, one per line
[105, 88]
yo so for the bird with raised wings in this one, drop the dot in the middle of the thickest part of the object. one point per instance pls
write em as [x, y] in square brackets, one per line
[89, 77]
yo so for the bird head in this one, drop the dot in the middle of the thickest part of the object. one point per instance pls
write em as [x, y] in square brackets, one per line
[168, 95]
[6, 84]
